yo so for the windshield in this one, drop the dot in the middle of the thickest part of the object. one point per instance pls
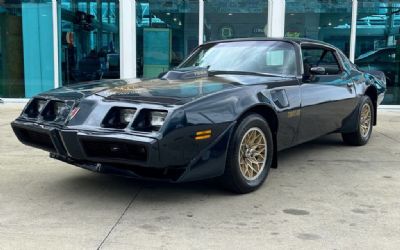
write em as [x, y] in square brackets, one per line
[267, 57]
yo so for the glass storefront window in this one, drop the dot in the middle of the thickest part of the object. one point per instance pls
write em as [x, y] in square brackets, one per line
[225, 19]
[167, 31]
[11, 50]
[89, 40]
[325, 20]
[378, 42]
[26, 48]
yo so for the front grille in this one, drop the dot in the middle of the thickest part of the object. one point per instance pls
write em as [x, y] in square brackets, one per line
[114, 150]
[34, 138]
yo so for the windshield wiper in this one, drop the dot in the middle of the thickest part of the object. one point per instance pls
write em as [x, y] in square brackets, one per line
[235, 72]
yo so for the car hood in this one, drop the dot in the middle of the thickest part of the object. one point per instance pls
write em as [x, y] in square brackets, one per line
[82, 90]
[179, 92]
[158, 91]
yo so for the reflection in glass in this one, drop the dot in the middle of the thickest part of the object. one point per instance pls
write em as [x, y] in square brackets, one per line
[11, 51]
[377, 44]
[89, 40]
[328, 21]
[167, 31]
[268, 57]
[234, 19]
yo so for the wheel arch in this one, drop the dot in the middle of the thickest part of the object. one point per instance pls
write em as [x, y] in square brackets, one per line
[269, 114]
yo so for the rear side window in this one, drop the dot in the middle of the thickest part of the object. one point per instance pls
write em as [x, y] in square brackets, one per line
[320, 57]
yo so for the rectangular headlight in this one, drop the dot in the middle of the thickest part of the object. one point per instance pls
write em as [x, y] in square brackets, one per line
[149, 120]
[126, 115]
[118, 117]
[157, 118]
[35, 107]
[40, 105]
[58, 107]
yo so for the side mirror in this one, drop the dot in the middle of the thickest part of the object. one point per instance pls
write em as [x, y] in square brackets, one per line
[317, 71]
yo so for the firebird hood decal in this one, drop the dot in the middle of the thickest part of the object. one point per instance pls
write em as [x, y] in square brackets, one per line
[169, 92]
[166, 91]
[181, 91]
[79, 91]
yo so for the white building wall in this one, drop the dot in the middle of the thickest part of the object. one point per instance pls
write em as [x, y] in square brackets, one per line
[276, 18]
[127, 34]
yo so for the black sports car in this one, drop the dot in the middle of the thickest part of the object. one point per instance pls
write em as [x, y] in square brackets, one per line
[224, 112]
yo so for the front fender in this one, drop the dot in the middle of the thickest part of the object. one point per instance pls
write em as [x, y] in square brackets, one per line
[228, 106]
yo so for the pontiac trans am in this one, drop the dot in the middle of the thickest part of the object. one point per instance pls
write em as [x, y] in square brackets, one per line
[225, 112]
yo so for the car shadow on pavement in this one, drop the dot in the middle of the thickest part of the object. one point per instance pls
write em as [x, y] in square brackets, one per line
[92, 183]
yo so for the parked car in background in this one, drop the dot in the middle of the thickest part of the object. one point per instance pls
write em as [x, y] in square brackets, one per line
[225, 112]
[383, 59]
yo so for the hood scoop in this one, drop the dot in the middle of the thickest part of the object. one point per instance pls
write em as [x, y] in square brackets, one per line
[186, 73]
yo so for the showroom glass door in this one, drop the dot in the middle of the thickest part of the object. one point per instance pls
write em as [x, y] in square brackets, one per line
[327, 20]
[26, 48]
[89, 47]
[226, 19]
[378, 42]
[11, 50]
[167, 31]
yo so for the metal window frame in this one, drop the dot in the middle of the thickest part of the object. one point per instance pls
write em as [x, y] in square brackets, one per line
[54, 8]
[127, 39]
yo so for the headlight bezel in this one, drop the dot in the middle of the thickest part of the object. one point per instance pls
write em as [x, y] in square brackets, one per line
[115, 118]
[157, 118]
[35, 107]
[126, 116]
[53, 110]
[146, 121]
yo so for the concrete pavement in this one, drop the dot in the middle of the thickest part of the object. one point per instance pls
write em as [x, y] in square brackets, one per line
[324, 195]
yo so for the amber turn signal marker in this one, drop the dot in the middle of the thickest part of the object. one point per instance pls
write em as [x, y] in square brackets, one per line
[201, 135]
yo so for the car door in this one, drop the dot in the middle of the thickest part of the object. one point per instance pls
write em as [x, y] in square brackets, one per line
[326, 99]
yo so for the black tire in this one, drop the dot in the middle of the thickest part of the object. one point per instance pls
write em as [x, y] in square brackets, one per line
[233, 177]
[357, 138]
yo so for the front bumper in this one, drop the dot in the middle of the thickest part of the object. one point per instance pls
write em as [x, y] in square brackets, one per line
[121, 153]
